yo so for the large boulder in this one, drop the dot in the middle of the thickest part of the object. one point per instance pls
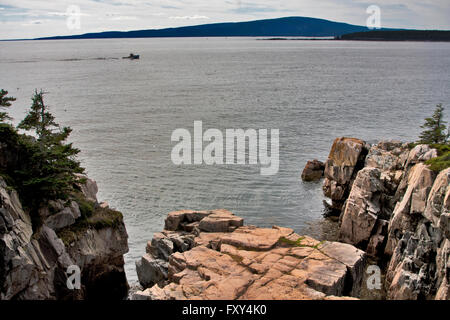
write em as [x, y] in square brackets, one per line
[220, 221]
[369, 206]
[88, 187]
[66, 217]
[363, 208]
[353, 258]
[179, 220]
[152, 268]
[387, 156]
[345, 159]
[313, 171]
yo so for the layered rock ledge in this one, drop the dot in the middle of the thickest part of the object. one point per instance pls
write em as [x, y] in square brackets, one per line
[212, 255]
[34, 263]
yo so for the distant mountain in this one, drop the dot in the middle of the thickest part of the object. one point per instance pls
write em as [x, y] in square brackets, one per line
[290, 26]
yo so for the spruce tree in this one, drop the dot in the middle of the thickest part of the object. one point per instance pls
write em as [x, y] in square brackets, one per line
[53, 164]
[435, 128]
[5, 102]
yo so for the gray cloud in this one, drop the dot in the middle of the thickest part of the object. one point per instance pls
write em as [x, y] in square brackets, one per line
[252, 9]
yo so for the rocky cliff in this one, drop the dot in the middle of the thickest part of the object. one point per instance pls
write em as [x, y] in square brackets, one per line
[212, 255]
[34, 264]
[394, 207]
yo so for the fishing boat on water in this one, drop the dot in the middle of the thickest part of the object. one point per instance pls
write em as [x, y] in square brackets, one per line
[132, 57]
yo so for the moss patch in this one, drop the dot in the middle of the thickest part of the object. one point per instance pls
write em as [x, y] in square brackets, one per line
[100, 218]
[236, 258]
[105, 218]
[87, 208]
[298, 243]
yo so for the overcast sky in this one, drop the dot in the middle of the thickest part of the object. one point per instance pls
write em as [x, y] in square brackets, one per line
[38, 18]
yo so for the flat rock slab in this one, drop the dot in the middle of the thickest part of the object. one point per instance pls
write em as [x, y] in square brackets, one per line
[220, 221]
[253, 263]
[254, 238]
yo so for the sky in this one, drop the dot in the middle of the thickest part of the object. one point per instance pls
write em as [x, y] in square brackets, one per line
[21, 19]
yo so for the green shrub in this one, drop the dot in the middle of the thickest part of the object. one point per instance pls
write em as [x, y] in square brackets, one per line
[440, 163]
[49, 173]
[42, 166]
[441, 148]
[435, 128]
[5, 102]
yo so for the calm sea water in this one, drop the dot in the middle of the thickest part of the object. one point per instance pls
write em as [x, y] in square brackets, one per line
[124, 112]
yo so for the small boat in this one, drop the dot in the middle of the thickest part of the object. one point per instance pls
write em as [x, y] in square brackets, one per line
[132, 56]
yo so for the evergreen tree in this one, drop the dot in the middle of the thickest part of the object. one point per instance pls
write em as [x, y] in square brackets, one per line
[435, 127]
[5, 102]
[52, 167]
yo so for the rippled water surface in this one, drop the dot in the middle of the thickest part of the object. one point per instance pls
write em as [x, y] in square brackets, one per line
[124, 112]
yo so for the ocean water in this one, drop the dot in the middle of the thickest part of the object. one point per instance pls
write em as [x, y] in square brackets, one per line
[123, 114]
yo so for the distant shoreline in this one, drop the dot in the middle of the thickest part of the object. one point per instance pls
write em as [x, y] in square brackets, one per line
[381, 35]
[398, 35]
[299, 38]
[361, 39]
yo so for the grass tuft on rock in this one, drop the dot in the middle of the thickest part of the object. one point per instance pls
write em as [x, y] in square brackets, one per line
[87, 208]
[298, 243]
[99, 218]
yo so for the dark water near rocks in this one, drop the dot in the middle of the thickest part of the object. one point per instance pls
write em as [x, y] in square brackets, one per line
[123, 114]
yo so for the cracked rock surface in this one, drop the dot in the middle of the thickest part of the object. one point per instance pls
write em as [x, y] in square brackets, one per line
[244, 262]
